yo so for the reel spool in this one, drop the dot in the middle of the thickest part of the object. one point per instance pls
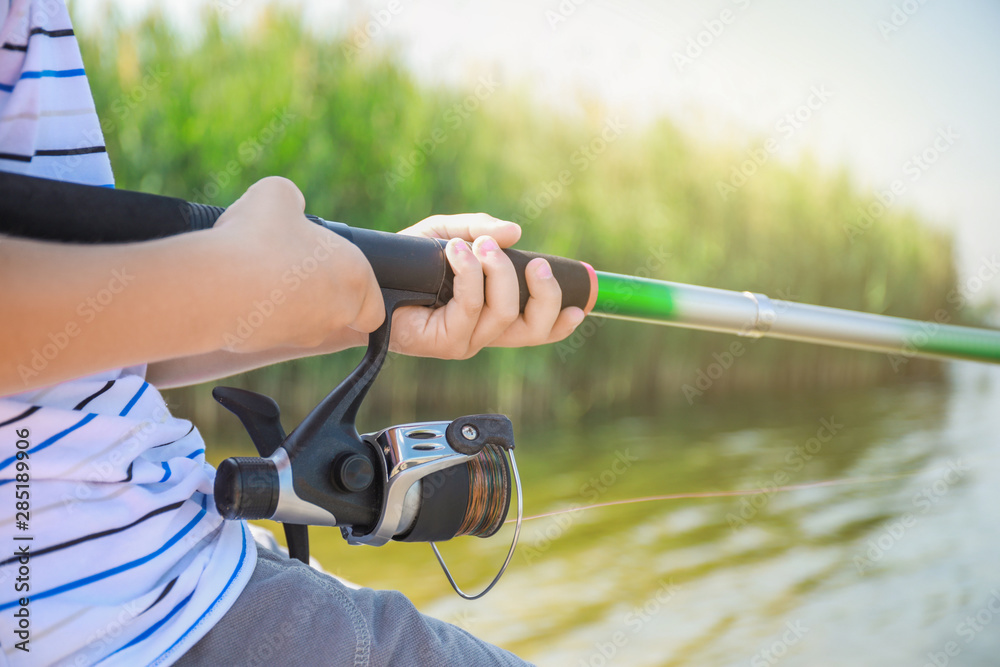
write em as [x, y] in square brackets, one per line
[423, 482]
[476, 494]
[444, 480]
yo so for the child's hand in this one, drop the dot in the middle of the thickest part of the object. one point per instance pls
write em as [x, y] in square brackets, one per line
[484, 309]
[299, 283]
[263, 247]
[329, 296]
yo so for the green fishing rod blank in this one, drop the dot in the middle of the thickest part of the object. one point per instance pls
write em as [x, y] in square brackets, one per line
[757, 316]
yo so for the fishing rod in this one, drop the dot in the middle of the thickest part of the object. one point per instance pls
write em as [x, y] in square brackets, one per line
[430, 481]
[60, 211]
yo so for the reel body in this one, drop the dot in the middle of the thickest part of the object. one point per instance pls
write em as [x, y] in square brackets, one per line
[422, 482]
[441, 480]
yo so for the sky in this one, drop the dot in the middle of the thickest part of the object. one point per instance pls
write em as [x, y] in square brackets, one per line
[903, 92]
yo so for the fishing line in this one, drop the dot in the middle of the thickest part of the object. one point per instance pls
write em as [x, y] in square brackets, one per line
[742, 492]
[489, 493]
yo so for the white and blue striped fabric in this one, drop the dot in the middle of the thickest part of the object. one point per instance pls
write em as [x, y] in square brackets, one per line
[130, 563]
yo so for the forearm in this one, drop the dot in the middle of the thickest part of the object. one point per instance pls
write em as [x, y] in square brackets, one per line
[222, 363]
[72, 310]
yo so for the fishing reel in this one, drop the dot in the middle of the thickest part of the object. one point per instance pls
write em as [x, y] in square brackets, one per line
[422, 482]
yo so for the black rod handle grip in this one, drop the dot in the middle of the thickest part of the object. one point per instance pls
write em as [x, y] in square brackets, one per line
[577, 279]
[57, 211]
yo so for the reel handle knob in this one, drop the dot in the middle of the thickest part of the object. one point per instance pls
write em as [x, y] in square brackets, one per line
[246, 487]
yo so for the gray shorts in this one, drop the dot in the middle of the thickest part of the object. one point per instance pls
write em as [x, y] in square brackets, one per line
[290, 614]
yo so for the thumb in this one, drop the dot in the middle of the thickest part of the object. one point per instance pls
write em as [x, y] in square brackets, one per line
[371, 313]
[270, 198]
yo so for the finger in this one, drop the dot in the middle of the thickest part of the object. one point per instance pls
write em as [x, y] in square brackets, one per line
[371, 313]
[544, 302]
[269, 197]
[413, 332]
[273, 193]
[569, 319]
[540, 323]
[463, 310]
[502, 304]
[468, 226]
[540, 311]
[277, 191]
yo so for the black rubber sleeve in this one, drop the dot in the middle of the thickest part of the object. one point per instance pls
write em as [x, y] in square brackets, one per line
[56, 211]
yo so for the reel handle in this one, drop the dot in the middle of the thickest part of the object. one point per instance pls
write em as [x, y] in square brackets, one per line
[261, 417]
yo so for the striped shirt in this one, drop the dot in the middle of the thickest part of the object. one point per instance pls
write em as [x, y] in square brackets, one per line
[117, 552]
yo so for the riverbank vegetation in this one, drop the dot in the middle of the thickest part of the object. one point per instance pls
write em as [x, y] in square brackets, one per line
[202, 118]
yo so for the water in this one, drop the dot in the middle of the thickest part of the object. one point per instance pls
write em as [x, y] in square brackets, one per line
[895, 563]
